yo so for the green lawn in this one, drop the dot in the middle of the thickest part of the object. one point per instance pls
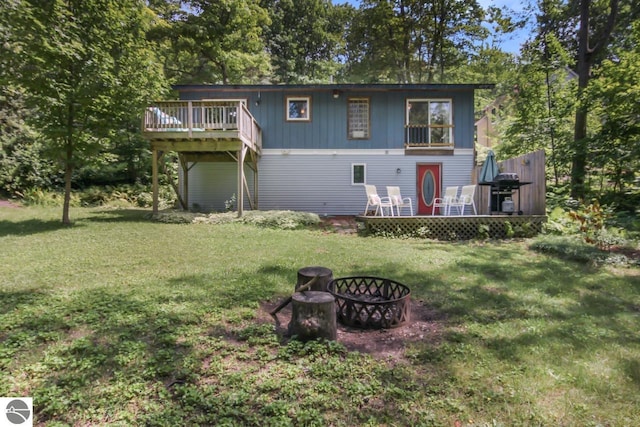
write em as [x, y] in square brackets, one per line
[122, 321]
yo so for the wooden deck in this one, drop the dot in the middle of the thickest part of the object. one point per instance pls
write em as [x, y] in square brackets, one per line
[201, 126]
[456, 227]
[203, 131]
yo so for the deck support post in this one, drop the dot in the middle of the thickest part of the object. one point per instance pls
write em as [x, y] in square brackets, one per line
[255, 182]
[240, 200]
[185, 180]
[203, 131]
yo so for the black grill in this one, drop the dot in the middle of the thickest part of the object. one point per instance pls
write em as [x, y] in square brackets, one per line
[503, 186]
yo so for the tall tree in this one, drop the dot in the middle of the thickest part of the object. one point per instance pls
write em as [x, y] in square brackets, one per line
[86, 68]
[613, 97]
[21, 162]
[305, 38]
[413, 41]
[217, 41]
[589, 29]
[544, 98]
[590, 45]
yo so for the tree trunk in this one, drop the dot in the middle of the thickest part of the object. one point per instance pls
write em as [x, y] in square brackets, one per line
[68, 173]
[68, 165]
[583, 68]
[313, 316]
[585, 60]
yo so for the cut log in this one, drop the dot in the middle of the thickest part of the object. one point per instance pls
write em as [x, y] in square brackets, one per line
[313, 316]
[323, 274]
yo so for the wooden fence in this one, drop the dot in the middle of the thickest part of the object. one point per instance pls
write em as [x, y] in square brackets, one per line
[530, 168]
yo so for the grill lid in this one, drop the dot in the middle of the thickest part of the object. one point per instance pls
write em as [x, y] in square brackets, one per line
[507, 176]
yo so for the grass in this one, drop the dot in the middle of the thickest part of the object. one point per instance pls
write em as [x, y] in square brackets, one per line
[122, 321]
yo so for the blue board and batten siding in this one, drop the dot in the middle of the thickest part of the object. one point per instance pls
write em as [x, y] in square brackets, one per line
[307, 166]
[328, 126]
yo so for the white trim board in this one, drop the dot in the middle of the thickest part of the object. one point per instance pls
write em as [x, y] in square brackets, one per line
[349, 152]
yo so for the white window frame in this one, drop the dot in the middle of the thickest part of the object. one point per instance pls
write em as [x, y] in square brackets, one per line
[366, 132]
[290, 99]
[364, 173]
[430, 127]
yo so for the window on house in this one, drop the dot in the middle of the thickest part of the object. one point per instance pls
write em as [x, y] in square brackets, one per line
[298, 108]
[429, 122]
[358, 173]
[358, 118]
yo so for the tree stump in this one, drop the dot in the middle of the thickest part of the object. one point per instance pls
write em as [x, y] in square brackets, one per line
[324, 274]
[313, 316]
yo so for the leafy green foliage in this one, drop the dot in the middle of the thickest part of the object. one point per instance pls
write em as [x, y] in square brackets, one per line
[304, 39]
[280, 220]
[542, 109]
[214, 41]
[613, 97]
[22, 155]
[412, 41]
[594, 224]
[24, 165]
[574, 248]
[88, 70]
[283, 220]
[108, 196]
[591, 219]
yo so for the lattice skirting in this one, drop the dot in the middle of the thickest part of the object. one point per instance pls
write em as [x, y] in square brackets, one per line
[456, 227]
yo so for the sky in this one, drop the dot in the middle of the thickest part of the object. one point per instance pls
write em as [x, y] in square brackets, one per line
[512, 42]
[509, 43]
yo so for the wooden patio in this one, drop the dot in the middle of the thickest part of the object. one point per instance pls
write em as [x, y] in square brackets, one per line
[204, 131]
[529, 199]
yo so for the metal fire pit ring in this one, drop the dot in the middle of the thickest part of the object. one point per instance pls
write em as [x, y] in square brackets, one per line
[370, 302]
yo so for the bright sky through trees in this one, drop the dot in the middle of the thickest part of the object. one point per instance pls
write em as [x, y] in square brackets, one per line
[510, 43]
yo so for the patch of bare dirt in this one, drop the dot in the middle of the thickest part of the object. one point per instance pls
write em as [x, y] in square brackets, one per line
[425, 325]
[7, 204]
[343, 224]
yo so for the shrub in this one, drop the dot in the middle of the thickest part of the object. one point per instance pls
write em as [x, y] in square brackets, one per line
[508, 229]
[40, 197]
[568, 247]
[121, 196]
[282, 220]
[483, 231]
[575, 249]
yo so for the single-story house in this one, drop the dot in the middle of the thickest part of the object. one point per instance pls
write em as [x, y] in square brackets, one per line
[313, 147]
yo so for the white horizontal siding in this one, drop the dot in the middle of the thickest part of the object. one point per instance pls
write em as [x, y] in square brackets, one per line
[320, 180]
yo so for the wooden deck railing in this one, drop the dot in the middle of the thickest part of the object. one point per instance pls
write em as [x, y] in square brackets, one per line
[196, 118]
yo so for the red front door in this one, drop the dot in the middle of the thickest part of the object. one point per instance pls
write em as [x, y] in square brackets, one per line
[428, 186]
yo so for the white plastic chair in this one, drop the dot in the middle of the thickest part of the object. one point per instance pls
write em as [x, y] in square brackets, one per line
[398, 201]
[444, 203]
[466, 199]
[380, 203]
